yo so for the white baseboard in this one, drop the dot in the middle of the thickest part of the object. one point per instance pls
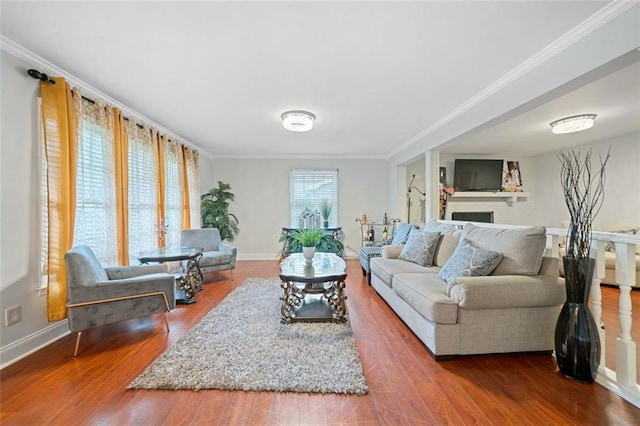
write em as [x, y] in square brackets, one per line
[27, 345]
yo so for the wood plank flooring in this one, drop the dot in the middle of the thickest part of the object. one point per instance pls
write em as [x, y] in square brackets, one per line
[407, 387]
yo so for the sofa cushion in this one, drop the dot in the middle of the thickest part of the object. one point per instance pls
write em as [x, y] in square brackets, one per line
[469, 260]
[522, 248]
[385, 268]
[448, 243]
[420, 247]
[426, 293]
[435, 226]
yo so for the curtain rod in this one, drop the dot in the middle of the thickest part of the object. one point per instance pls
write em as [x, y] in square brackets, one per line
[44, 77]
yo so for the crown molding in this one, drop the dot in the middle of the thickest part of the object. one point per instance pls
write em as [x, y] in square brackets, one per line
[14, 49]
[591, 24]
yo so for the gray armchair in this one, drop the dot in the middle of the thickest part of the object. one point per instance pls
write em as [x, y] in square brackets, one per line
[216, 255]
[98, 296]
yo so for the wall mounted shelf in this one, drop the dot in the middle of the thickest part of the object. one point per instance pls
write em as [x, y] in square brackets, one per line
[513, 196]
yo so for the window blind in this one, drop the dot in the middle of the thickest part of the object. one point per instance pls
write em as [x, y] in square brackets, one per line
[173, 203]
[310, 189]
[143, 190]
[95, 183]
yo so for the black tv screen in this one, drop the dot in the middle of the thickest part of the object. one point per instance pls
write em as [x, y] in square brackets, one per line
[477, 175]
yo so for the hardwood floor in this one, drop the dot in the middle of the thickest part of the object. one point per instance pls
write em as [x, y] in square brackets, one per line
[406, 386]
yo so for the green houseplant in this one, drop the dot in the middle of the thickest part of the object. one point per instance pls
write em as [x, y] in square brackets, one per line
[214, 211]
[322, 241]
[308, 239]
[325, 210]
[577, 342]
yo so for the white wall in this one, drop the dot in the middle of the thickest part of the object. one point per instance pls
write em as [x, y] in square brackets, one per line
[622, 186]
[19, 208]
[261, 189]
[418, 205]
[505, 210]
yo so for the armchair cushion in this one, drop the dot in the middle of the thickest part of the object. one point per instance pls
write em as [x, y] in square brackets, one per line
[207, 239]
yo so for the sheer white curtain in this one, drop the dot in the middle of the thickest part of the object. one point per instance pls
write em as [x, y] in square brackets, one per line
[173, 200]
[191, 160]
[143, 190]
[95, 219]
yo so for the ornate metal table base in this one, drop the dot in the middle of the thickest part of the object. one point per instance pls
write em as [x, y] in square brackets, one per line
[189, 282]
[313, 292]
[298, 303]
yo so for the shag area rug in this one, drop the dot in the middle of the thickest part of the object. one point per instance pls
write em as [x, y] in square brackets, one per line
[241, 345]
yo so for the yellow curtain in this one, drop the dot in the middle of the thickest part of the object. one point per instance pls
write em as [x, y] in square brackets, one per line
[160, 141]
[186, 216]
[60, 137]
[122, 186]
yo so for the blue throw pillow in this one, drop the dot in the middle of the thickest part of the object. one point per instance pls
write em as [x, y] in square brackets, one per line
[469, 260]
[420, 247]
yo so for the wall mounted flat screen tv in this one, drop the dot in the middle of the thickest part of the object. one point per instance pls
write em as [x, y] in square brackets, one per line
[477, 175]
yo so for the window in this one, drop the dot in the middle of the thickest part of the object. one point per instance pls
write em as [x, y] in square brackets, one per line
[95, 215]
[173, 202]
[95, 182]
[310, 189]
[143, 189]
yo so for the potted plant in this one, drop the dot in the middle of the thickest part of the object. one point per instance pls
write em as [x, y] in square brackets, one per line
[308, 239]
[577, 342]
[214, 211]
[325, 210]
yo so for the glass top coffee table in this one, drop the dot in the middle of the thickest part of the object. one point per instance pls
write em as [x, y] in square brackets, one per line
[313, 292]
[190, 279]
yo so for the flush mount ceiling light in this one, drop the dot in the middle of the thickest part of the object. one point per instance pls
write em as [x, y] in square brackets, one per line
[298, 121]
[573, 124]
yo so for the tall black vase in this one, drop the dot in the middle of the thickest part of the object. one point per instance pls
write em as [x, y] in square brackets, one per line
[577, 342]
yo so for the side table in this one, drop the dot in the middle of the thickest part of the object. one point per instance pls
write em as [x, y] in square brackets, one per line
[189, 281]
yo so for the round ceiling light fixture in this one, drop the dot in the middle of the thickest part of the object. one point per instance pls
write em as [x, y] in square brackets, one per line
[575, 123]
[298, 121]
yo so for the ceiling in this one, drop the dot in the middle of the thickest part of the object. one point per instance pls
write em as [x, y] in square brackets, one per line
[375, 74]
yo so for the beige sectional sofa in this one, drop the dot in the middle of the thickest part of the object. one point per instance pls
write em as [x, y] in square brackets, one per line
[514, 309]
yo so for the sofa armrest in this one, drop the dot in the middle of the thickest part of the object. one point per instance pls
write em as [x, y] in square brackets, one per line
[124, 272]
[391, 251]
[507, 291]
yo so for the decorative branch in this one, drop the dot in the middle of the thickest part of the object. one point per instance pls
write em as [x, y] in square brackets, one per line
[583, 195]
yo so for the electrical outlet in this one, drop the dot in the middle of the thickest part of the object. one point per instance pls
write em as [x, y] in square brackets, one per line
[12, 315]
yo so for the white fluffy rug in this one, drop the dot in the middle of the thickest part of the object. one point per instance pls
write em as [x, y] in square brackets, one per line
[242, 345]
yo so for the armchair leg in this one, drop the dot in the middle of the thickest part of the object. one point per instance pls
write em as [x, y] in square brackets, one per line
[75, 353]
[166, 321]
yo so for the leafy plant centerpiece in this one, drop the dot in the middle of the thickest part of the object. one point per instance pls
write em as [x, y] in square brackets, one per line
[323, 241]
[308, 237]
[577, 342]
[214, 210]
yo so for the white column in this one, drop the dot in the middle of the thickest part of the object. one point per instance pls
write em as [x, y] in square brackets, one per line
[597, 252]
[625, 346]
[432, 187]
